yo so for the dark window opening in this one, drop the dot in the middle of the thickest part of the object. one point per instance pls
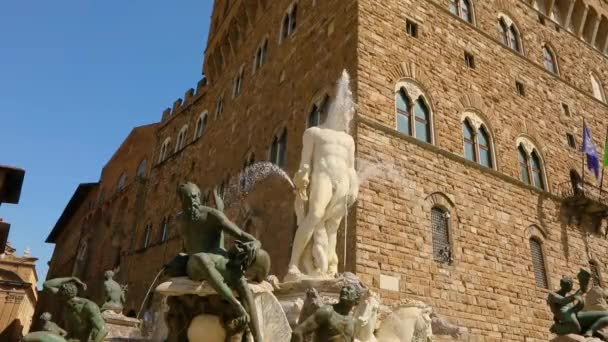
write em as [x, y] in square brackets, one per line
[469, 60]
[411, 28]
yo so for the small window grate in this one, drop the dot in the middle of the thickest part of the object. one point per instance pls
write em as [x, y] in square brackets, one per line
[442, 252]
[519, 86]
[595, 273]
[469, 60]
[411, 28]
[538, 263]
[571, 141]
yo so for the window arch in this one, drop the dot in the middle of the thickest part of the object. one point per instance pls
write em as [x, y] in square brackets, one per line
[442, 250]
[278, 149]
[122, 182]
[201, 123]
[318, 112]
[509, 34]
[549, 60]
[598, 88]
[260, 55]
[181, 138]
[413, 115]
[164, 150]
[219, 108]
[142, 168]
[538, 262]
[462, 9]
[289, 23]
[477, 141]
[164, 230]
[238, 82]
[531, 168]
[147, 235]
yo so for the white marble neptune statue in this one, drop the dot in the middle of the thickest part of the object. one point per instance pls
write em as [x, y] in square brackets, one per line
[326, 185]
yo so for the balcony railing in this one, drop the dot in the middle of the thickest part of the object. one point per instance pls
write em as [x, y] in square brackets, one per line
[584, 197]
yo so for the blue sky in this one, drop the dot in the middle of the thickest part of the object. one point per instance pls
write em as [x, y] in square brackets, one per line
[75, 77]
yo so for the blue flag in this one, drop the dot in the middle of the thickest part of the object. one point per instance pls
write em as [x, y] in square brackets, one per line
[593, 160]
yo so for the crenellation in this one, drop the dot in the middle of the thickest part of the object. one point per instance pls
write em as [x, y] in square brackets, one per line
[166, 114]
[177, 106]
[188, 96]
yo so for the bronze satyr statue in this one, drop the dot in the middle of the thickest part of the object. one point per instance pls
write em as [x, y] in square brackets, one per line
[114, 294]
[331, 323]
[83, 321]
[202, 230]
[567, 309]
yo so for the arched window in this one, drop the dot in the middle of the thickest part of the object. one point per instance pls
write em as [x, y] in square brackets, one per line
[509, 34]
[289, 23]
[549, 60]
[483, 144]
[278, 150]
[238, 82]
[201, 123]
[164, 150]
[122, 182]
[477, 144]
[318, 112]
[413, 115]
[531, 169]
[147, 235]
[537, 173]
[219, 109]
[523, 165]
[423, 131]
[403, 113]
[463, 9]
[594, 267]
[469, 141]
[141, 169]
[164, 228]
[442, 251]
[260, 56]
[598, 88]
[538, 263]
[181, 138]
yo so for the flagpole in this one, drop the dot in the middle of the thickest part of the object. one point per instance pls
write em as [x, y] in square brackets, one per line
[603, 162]
[583, 157]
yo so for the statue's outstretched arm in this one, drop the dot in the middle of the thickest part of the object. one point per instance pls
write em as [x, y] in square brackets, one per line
[232, 229]
[563, 300]
[54, 284]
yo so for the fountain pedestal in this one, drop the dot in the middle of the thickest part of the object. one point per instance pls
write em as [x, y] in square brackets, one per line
[195, 312]
[121, 328]
[575, 338]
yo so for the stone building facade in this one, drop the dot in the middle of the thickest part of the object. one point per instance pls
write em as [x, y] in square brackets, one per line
[18, 294]
[468, 132]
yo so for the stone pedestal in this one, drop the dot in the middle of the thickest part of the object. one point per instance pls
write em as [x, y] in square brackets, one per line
[575, 338]
[195, 312]
[122, 328]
